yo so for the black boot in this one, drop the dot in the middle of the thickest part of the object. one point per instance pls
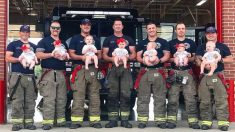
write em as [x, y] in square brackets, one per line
[126, 124]
[205, 127]
[171, 125]
[223, 128]
[141, 125]
[46, 127]
[194, 126]
[74, 126]
[111, 124]
[30, 126]
[17, 127]
[96, 125]
[161, 125]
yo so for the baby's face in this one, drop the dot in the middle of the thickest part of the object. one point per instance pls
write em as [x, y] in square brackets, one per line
[89, 40]
[151, 46]
[210, 46]
[181, 49]
[122, 45]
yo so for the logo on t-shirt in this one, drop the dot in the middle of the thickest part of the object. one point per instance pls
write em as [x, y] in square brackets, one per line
[187, 45]
[218, 50]
[158, 45]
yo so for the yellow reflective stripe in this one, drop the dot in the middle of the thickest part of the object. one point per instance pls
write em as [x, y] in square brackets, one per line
[61, 120]
[173, 118]
[17, 120]
[223, 123]
[94, 118]
[28, 120]
[113, 113]
[143, 118]
[47, 121]
[159, 119]
[192, 120]
[74, 118]
[208, 123]
[125, 113]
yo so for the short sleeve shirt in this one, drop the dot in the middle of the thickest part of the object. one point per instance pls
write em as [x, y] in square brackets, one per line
[15, 47]
[110, 42]
[221, 48]
[46, 45]
[162, 46]
[190, 47]
[77, 43]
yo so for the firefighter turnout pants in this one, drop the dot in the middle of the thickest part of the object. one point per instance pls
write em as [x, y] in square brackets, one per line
[189, 93]
[23, 98]
[119, 83]
[86, 81]
[152, 81]
[53, 89]
[212, 86]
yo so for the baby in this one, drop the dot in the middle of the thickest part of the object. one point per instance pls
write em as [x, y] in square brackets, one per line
[181, 56]
[120, 54]
[27, 57]
[60, 49]
[211, 57]
[150, 55]
[89, 50]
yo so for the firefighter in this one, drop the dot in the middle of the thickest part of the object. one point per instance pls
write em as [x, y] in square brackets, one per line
[184, 80]
[119, 79]
[212, 89]
[84, 81]
[151, 79]
[22, 89]
[52, 83]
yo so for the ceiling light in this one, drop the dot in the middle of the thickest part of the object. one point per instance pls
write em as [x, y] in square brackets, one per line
[201, 2]
[33, 13]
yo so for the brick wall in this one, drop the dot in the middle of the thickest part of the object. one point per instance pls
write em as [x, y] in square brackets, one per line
[228, 29]
[3, 35]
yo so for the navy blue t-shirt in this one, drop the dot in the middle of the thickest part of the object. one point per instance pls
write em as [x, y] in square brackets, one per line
[221, 48]
[46, 45]
[77, 43]
[190, 47]
[110, 42]
[15, 47]
[162, 46]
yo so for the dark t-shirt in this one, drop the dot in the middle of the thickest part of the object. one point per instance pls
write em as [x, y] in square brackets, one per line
[190, 47]
[46, 45]
[77, 43]
[221, 48]
[15, 47]
[110, 42]
[162, 46]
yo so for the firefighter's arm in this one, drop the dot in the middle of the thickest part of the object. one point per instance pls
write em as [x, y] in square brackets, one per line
[99, 54]
[192, 58]
[198, 60]
[132, 53]
[42, 55]
[9, 57]
[165, 57]
[105, 55]
[227, 59]
[139, 57]
[74, 56]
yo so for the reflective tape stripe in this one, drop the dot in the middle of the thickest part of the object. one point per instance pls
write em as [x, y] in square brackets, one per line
[94, 118]
[73, 118]
[61, 120]
[160, 119]
[208, 123]
[125, 113]
[17, 120]
[192, 120]
[47, 121]
[172, 118]
[113, 113]
[144, 119]
[223, 123]
[28, 120]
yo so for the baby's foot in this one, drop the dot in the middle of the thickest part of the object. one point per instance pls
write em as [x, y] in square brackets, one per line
[86, 68]
[125, 66]
[96, 66]
[210, 74]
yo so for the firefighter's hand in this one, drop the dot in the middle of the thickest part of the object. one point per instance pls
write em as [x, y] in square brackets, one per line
[207, 67]
[57, 55]
[83, 58]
